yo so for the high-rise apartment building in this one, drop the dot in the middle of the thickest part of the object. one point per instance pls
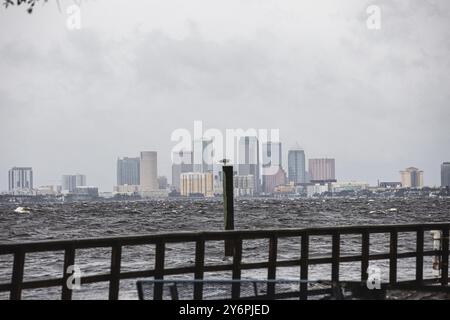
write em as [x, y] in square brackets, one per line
[197, 183]
[69, 183]
[411, 178]
[20, 179]
[322, 170]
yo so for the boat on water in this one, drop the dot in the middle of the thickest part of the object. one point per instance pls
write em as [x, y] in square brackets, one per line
[22, 210]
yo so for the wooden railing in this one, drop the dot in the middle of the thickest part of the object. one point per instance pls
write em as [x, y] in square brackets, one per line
[160, 270]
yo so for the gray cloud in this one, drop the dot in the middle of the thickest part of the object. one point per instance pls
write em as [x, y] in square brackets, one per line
[378, 101]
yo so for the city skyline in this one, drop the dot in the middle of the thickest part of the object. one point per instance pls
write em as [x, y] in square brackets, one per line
[217, 150]
[130, 167]
[72, 101]
[387, 176]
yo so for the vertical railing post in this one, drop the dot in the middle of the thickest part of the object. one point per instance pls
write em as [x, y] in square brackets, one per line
[365, 250]
[444, 263]
[69, 260]
[419, 255]
[17, 276]
[228, 204]
[159, 270]
[199, 268]
[237, 259]
[304, 267]
[336, 247]
[393, 257]
[114, 282]
[272, 265]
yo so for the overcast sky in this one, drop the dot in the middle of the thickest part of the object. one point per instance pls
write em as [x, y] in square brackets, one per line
[376, 100]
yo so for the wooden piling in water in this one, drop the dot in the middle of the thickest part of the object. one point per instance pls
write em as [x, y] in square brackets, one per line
[228, 205]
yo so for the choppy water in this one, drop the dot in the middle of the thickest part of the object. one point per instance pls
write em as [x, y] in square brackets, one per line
[81, 220]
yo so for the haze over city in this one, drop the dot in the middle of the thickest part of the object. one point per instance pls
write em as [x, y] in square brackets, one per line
[375, 100]
[241, 151]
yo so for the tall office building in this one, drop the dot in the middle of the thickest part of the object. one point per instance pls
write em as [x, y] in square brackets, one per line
[69, 183]
[296, 166]
[411, 178]
[445, 174]
[203, 156]
[197, 183]
[149, 171]
[128, 171]
[273, 174]
[271, 181]
[244, 185]
[271, 155]
[162, 183]
[248, 160]
[20, 179]
[182, 162]
[322, 170]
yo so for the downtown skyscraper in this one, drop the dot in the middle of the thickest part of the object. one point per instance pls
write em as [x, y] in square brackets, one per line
[148, 172]
[248, 160]
[182, 162]
[273, 174]
[297, 166]
[128, 171]
[445, 174]
[203, 158]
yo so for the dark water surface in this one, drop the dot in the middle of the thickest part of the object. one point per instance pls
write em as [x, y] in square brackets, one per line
[82, 220]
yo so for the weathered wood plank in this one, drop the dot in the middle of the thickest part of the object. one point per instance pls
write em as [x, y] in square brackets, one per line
[365, 251]
[272, 265]
[393, 257]
[419, 257]
[159, 270]
[444, 263]
[69, 260]
[57, 245]
[70, 246]
[114, 282]
[199, 268]
[17, 276]
[237, 260]
[335, 253]
[304, 266]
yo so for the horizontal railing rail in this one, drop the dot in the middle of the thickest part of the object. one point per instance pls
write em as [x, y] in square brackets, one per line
[160, 270]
